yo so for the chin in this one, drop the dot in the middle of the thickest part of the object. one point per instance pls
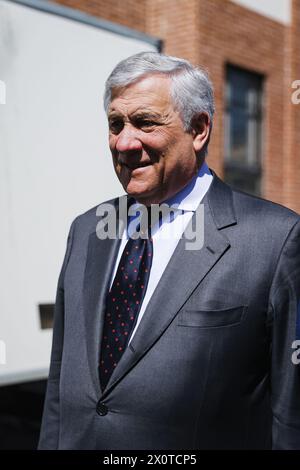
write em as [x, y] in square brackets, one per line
[139, 195]
[145, 197]
[136, 190]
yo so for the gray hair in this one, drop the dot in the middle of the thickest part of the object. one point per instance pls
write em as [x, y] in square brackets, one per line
[191, 90]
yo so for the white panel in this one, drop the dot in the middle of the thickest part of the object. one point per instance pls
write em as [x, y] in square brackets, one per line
[54, 162]
[279, 10]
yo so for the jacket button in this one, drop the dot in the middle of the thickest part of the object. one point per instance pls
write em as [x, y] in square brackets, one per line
[101, 409]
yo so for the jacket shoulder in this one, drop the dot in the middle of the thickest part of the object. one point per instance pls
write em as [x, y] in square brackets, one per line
[263, 211]
[88, 220]
[245, 200]
[230, 206]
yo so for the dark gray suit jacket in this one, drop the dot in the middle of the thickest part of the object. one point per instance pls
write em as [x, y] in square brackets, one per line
[210, 364]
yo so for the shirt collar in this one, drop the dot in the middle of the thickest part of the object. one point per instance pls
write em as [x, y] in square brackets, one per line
[186, 200]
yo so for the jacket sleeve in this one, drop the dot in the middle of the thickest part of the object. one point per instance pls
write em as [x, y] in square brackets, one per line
[285, 368]
[49, 434]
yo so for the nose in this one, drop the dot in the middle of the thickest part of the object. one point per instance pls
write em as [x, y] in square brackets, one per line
[127, 140]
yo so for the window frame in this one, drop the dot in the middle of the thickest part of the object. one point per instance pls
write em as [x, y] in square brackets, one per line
[249, 170]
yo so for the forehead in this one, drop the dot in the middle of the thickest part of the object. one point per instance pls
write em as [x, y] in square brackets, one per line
[150, 93]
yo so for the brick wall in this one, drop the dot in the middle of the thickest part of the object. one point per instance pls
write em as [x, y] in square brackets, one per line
[131, 13]
[241, 37]
[291, 128]
[213, 33]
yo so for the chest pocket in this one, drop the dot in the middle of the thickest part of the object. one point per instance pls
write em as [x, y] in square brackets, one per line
[211, 318]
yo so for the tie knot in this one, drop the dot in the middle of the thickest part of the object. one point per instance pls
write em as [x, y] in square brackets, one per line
[139, 221]
[146, 221]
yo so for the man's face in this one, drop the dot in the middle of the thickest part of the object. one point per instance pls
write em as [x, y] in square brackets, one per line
[153, 156]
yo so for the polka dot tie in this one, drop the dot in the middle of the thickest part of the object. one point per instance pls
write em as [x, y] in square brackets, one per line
[123, 303]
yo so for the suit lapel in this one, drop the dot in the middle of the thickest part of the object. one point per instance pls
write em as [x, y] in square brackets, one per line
[184, 272]
[100, 261]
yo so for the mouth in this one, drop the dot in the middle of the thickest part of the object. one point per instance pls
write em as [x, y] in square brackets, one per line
[135, 166]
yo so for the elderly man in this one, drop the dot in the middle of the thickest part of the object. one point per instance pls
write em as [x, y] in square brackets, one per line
[157, 345]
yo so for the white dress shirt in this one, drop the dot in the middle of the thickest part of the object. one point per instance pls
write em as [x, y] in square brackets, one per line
[167, 235]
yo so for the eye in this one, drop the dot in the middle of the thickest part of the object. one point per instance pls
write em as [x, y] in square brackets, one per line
[145, 123]
[116, 125]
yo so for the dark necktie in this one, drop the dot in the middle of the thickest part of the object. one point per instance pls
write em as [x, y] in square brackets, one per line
[123, 303]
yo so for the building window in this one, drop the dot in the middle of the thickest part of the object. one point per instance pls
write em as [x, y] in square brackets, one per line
[243, 129]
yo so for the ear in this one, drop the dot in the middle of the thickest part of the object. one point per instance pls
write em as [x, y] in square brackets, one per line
[200, 131]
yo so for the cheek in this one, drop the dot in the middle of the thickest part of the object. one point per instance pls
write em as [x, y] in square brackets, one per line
[178, 151]
[158, 147]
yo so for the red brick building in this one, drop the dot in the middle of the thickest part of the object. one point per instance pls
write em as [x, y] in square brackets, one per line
[253, 57]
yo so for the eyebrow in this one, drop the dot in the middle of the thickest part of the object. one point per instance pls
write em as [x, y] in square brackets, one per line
[146, 115]
[137, 115]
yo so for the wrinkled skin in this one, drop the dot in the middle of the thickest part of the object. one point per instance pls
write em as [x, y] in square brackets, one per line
[153, 156]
